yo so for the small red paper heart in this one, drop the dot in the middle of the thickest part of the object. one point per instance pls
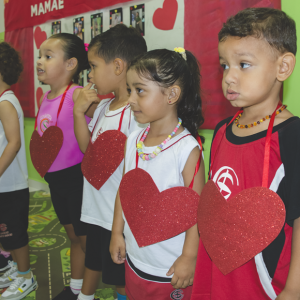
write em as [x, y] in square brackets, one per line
[44, 149]
[155, 216]
[39, 93]
[39, 36]
[164, 18]
[234, 232]
[103, 157]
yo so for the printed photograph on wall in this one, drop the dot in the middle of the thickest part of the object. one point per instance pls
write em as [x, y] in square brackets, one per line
[56, 27]
[96, 24]
[137, 18]
[116, 16]
[78, 27]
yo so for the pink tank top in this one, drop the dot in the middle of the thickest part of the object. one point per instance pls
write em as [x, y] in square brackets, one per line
[69, 154]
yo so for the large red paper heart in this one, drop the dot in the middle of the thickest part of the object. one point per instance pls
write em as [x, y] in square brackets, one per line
[234, 231]
[155, 216]
[39, 93]
[44, 149]
[164, 18]
[39, 36]
[103, 157]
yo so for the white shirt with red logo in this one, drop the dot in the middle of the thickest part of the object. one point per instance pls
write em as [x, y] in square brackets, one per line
[153, 262]
[98, 205]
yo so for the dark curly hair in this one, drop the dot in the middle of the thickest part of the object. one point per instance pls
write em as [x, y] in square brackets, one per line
[73, 46]
[274, 25]
[119, 41]
[168, 68]
[10, 64]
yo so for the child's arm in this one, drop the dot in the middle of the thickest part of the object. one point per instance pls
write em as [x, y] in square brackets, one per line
[117, 246]
[117, 242]
[184, 267]
[291, 290]
[11, 125]
[91, 109]
[84, 100]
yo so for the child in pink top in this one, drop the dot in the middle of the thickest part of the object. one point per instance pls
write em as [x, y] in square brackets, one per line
[62, 58]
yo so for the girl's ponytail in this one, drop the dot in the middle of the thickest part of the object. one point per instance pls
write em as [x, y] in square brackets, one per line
[73, 46]
[181, 68]
[190, 106]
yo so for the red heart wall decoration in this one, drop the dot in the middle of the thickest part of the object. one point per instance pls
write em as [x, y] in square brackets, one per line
[39, 37]
[155, 216]
[44, 149]
[234, 231]
[164, 18]
[39, 93]
[103, 157]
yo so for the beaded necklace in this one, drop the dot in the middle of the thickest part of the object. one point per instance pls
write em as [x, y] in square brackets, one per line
[152, 155]
[236, 121]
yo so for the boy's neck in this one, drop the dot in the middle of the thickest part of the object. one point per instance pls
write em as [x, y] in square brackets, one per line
[121, 95]
[258, 111]
[3, 87]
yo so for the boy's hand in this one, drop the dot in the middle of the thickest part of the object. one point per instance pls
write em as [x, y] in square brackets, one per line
[86, 97]
[184, 270]
[288, 295]
[117, 248]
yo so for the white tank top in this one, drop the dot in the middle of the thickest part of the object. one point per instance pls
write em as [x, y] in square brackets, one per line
[15, 176]
[166, 171]
[98, 205]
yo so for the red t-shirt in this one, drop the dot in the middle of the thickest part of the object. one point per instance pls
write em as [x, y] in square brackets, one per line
[238, 165]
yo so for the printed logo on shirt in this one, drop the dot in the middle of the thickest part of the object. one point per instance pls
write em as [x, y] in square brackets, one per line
[100, 131]
[177, 294]
[225, 178]
[45, 122]
[3, 227]
[3, 231]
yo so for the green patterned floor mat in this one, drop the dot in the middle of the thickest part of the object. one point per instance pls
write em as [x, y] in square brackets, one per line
[50, 252]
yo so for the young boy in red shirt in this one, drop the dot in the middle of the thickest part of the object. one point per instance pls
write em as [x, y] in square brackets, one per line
[257, 49]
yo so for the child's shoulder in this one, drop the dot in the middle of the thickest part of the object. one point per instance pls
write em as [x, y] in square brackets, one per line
[101, 104]
[221, 124]
[185, 140]
[135, 134]
[9, 98]
[289, 132]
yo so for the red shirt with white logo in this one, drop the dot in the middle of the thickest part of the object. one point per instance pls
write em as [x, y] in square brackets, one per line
[238, 165]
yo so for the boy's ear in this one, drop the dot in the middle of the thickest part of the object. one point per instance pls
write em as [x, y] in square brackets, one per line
[173, 94]
[119, 66]
[287, 63]
[72, 64]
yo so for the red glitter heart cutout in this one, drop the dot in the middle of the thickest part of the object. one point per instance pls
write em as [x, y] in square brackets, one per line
[103, 157]
[155, 216]
[234, 231]
[44, 149]
[39, 36]
[164, 18]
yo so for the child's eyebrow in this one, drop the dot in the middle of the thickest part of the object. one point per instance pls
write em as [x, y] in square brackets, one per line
[245, 54]
[138, 83]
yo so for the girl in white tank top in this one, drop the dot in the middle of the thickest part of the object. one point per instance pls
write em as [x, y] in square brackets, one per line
[156, 205]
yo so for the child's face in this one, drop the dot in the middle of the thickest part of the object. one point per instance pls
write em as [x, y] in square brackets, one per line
[250, 71]
[51, 63]
[102, 73]
[147, 101]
